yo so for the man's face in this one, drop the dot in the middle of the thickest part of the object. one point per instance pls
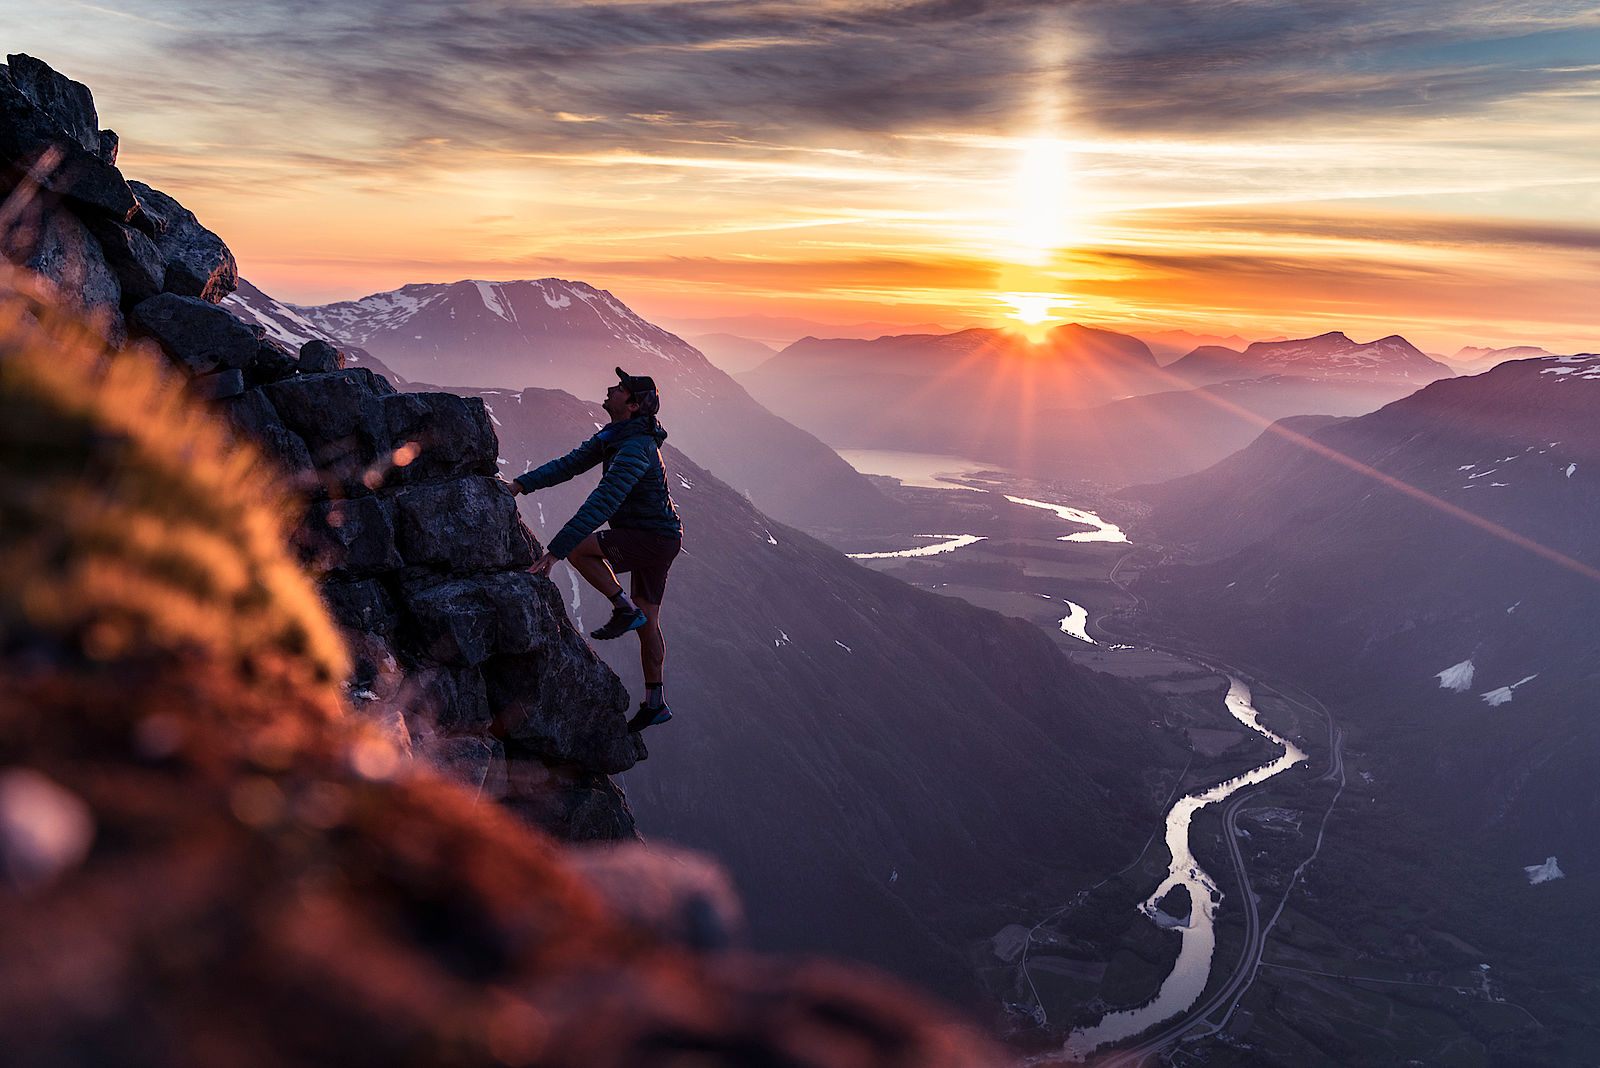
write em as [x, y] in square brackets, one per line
[619, 403]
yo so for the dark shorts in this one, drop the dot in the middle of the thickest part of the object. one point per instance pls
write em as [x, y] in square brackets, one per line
[647, 556]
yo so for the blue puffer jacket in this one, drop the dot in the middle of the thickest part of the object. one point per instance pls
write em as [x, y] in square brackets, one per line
[633, 492]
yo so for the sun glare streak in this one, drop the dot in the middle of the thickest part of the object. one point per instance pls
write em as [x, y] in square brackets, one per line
[1455, 511]
[1042, 207]
[1042, 221]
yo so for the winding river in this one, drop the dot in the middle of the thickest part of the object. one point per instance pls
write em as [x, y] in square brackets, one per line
[1187, 981]
[1183, 987]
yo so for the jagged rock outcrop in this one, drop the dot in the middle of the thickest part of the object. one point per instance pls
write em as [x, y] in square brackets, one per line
[424, 562]
[206, 859]
[196, 262]
[471, 661]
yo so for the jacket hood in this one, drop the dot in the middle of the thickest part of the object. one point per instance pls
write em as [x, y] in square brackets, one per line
[615, 433]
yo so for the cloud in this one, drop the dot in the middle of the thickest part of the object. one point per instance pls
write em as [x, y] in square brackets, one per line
[741, 74]
[1433, 231]
[1227, 65]
[1318, 290]
[517, 75]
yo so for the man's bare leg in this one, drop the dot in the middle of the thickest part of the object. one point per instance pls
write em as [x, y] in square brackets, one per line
[652, 659]
[652, 646]
[591, 563]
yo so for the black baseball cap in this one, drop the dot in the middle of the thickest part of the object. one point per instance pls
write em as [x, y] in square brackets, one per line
[642, 388]
[636, 384]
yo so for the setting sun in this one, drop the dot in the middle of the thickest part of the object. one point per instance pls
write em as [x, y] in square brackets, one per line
[1033, 309]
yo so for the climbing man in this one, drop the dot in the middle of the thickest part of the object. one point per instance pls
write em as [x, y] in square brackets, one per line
[645, 533]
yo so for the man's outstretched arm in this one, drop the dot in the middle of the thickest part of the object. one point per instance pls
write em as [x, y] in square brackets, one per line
[560, 469]
[627, 466]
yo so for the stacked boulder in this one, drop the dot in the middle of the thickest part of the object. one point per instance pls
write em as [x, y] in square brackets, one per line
[471, 661]
[110, 246]
[424, 562]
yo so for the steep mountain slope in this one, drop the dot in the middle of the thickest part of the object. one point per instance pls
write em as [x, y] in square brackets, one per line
[289, 328]
[887, 772]
[1331, 356]
[569, 335]
[927, 391]
[733, 353]
[1430, 571]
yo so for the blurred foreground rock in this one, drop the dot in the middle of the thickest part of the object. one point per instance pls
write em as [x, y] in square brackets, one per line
[209, 860]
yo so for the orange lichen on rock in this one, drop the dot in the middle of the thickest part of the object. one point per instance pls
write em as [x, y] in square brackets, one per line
[133, 518]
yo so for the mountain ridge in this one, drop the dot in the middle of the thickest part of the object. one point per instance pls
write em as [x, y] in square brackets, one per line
[1331, 355]
[570, 335]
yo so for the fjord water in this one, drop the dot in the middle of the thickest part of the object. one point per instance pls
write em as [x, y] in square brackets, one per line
[922, 470]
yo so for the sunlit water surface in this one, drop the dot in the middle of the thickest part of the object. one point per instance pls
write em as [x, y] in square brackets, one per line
[924, 470]
[1182, 988]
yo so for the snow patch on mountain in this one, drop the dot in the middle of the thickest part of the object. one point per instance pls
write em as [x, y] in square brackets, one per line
[1458, 677]
[1496, 698]
[494, 299]
[1543, 873]
[1582, 367]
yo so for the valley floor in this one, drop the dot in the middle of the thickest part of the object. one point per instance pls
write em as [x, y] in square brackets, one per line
[1346, 973]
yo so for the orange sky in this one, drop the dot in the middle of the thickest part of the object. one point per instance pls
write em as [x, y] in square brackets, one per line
[1265, 167]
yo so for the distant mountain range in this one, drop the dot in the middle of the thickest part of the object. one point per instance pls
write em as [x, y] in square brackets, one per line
[1330, 357]
[1177, 431]
[1168, 345]
[1431, 571]
[888, 773]
[732, 353]
[569, 335]
[777, 331]
[1475, 359]
[932, 391]
[1084, 403]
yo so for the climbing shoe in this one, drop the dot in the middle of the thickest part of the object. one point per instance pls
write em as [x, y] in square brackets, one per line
[649, 717]
[621, 622]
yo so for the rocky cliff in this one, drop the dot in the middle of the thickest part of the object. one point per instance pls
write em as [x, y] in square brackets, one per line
[462, 654]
